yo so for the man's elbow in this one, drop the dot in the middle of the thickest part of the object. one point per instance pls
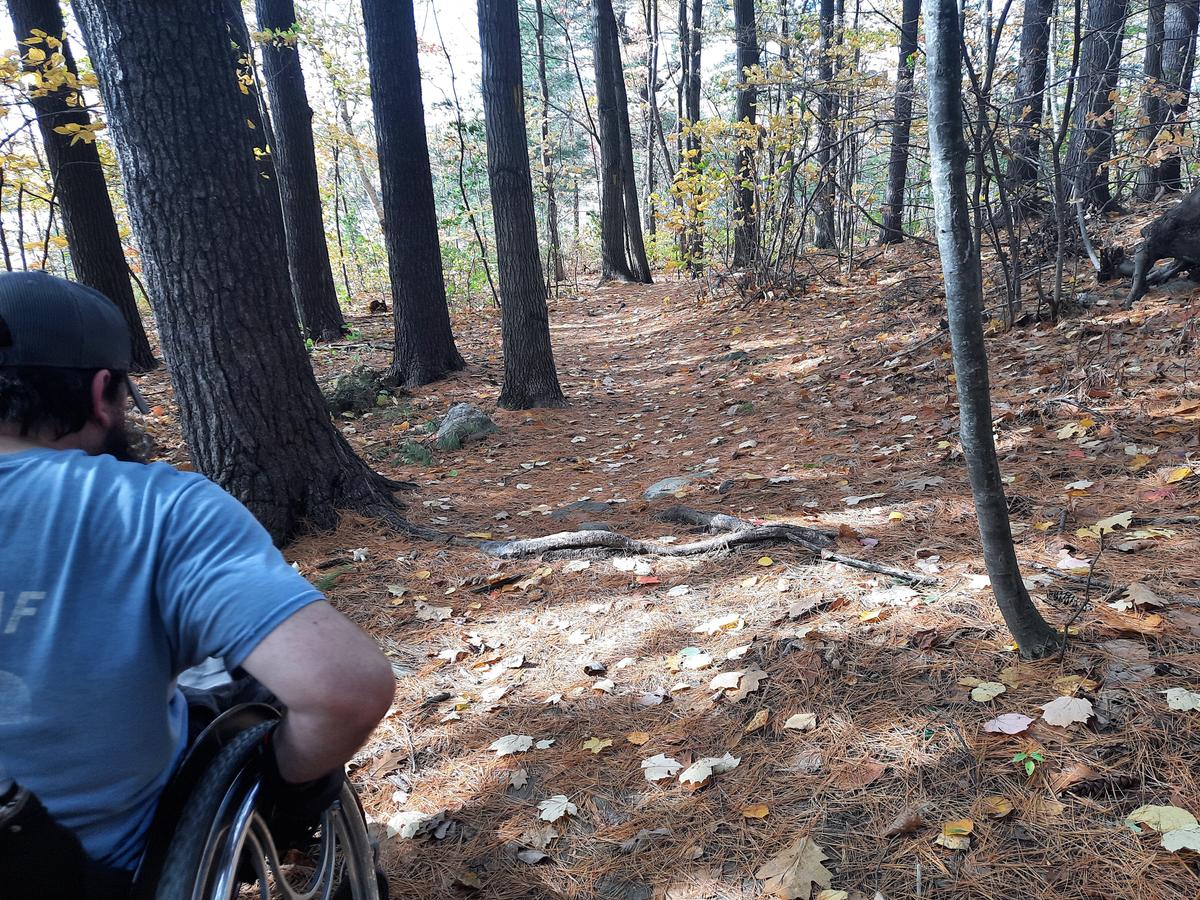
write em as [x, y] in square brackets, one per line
[363, 699]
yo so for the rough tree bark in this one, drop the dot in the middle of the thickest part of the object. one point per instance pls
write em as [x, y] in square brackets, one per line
[1028, 101]
[79, 187]
[1092, 126]
[745, 233]
[614, 263]
[891, 230]
[556, 262]
[296, 167]
[1153, 108]
[1178, 61]
[694, 235]
[252, 414]
[964, 304]
[639, 264]
[529, 376]
[823, 227]
[425, 349]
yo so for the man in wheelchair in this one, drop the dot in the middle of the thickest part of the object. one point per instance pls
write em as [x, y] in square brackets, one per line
[115, 577]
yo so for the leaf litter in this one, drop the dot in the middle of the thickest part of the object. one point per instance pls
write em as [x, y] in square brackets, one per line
[892, 720]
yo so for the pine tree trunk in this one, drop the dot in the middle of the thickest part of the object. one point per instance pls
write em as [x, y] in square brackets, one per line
[1178, 62]
[296, 167]
[964, 303]
[529, 376]
[556, 262]
[745, 233]
[425, 349]
[823, 228]
[1153, 108]
[252, 415]
[639, 265]
[1092, 123]
[79, 187]
[652, 122]
[891, 230]
[614, 263]
[1028, 102]
[695, 36]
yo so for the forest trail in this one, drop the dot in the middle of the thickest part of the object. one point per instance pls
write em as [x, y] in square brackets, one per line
[792, 409]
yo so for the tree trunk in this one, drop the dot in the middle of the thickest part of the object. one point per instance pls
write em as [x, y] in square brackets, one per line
[529, 376]
[1092, 125]
[425, 350]
[360, 162]
[614, 263]
[251, 412]
[823, 235]
[964, 303]
[79, 187]
[1153, 111]
[556, 262]
[745, 233]
[639, 265]
[652, 122]
[296, 168]
[891, 230]
[694, 236]
[1178, 61]
[1026, 110]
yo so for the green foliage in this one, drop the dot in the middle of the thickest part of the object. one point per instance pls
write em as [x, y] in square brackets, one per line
[1029, 760]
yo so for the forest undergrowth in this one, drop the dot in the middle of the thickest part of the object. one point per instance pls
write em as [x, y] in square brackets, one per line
[867, 725]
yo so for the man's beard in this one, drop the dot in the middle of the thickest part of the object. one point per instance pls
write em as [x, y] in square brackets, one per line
[117, 443]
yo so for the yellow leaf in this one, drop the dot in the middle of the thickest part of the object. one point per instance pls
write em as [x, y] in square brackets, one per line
[872, 615]
[759, 720]
[895, 516]
[1139, 462]
[33, 55]
[483, 535]
[423, 574]
[765, 561]
[958, 828]
[756, 811]
[637, 738]
[1178, 474]
[996, 806]
[596, 744]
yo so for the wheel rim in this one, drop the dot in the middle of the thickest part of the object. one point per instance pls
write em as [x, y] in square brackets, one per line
[240, 843]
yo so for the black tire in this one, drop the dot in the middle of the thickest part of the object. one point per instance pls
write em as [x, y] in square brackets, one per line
[185, 857]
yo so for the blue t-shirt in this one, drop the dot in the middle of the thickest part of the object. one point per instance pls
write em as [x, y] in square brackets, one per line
[114, 578]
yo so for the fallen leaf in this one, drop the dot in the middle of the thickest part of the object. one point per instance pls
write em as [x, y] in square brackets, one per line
[1178, 474]
[544, 744]
[1009, 723]
[859, 774]
[731, 622]
[1067, 710]
[801, 722]
[987, 691]
[604, 685]
[695, 660]
[908, 821]
[699, 772]
[578, 637]
[427, 613]
[756, 811]
[766, 561]
[1161, 818]
[1107, 525]
[1139, 594]
[511, 743]
[749, 684]
[832, 895]
[792, 873]
[1182, 699]
[660, 766]
[532, 857]
[759, 720]
[637, 738]
[1185, 838]
[726, 680]
[997, 807]
[518, 779]
[596, 744]
[554, 808]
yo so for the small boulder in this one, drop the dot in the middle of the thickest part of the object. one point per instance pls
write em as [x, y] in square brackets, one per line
[579, 507]
[464, 422]
[356, 392]
[667, 487]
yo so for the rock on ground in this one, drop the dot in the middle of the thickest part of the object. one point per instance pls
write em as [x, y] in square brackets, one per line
[464, 422]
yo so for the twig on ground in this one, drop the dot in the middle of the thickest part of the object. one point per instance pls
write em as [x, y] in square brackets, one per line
[854, 563]
[1181, 599]
[1082, 604]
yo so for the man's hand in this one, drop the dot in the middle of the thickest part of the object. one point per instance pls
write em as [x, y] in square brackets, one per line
[335, 683]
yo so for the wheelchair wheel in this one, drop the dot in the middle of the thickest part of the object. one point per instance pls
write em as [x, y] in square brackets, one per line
[222, 848]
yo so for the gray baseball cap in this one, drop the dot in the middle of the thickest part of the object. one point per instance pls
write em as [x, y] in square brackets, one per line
[49, 322]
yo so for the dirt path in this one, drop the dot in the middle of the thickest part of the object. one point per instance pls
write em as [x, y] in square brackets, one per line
[787, 409]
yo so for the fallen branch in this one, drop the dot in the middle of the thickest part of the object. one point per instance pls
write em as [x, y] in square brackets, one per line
[1101, 584]
[855, 563]
[1165, 520]
[719, 522]
[610, 540]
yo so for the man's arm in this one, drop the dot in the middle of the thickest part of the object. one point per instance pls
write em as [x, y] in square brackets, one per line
[335, 683]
